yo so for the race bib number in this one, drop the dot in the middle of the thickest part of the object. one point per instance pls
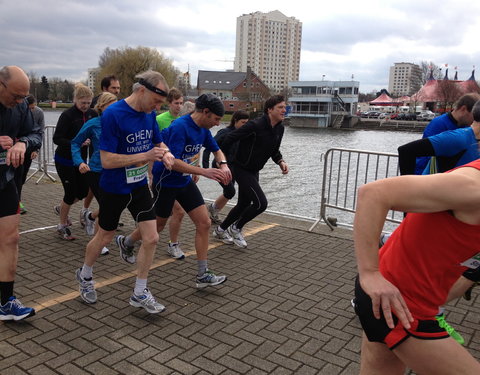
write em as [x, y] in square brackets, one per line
[136, 174]
[473, 262]
[3, 158]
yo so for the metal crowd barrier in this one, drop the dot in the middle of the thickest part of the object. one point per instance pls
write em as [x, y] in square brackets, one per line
[344, 170]
[45, 156]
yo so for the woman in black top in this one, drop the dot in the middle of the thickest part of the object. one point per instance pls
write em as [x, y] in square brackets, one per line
[74, 183]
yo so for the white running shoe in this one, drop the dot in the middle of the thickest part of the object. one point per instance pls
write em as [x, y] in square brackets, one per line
[89, 223]
[237, 236]
[147, 301]
[82, 216]
[222, 236]
[209, 279]
[174, 250]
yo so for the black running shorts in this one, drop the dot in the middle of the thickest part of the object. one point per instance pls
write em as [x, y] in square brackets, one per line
[377, 330]
[188, 196]
[139, 202]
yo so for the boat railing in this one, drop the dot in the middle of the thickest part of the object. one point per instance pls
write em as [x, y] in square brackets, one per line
[344, 171]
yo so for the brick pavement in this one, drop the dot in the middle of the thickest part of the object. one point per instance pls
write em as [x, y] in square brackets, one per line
[284, 310]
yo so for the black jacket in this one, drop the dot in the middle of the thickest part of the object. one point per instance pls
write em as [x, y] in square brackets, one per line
[257, 141]
[18, 124]
[69, 124]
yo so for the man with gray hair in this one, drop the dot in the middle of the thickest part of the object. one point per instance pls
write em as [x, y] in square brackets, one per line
[16, 134]
[130, 140]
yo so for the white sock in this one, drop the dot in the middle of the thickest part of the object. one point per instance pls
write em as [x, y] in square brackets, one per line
[86, 272]
[140, 286]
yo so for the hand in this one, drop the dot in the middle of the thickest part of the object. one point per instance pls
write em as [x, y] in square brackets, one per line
[156, 153]
[16, 154]
[284, 167]
[86, 142]
[6, 142]
[387, 296]
[83, 168]
[168, 160]
[218, 175]
[195, 178]
[34, 155]
[228, 174]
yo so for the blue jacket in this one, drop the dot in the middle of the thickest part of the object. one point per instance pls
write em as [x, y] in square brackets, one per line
[91, 129]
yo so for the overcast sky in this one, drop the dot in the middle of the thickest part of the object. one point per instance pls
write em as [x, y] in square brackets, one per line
[64, 38]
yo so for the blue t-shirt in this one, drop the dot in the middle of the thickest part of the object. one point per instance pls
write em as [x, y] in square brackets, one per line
[126, 131]
[92, 130]
[185, 139]
[452, 142]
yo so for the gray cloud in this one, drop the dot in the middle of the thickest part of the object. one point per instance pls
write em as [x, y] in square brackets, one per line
[65, 38]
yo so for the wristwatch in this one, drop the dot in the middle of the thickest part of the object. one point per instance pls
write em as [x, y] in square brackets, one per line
[222, 162]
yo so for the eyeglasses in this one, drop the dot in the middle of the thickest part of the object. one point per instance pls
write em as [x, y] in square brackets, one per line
[16, 97]
[150, 87]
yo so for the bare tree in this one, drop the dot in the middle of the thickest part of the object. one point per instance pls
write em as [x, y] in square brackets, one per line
[448, 93]
[127, 62]
[427, 68]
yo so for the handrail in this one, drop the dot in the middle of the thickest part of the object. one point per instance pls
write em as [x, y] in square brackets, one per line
[344, 170]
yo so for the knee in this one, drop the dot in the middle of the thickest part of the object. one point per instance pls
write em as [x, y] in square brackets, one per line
[10, 239]
[262, 205]
[150, 239]
[229, 193]
[203, 225]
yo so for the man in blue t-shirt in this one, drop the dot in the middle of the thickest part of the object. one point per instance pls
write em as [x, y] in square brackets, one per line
[185, 137]
[460, 117]
[130, 140]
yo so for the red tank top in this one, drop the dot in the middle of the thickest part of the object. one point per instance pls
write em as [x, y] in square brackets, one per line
[423, 257]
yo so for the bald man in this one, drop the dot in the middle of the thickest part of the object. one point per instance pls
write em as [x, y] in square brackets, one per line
[16, 134]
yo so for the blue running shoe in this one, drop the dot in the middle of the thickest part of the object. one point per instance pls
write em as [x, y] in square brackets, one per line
[14, 310]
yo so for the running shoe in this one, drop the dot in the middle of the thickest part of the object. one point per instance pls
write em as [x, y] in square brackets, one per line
[86, 287]
[82, 216]
[23, 210]
[14, 310]
[209, 279]
[222, 236]
[174, 250]
[89, 223]
[447, 327]
[147, 301]
[105, 251]
[237, 236]
[56, 209]
[126, 252]
[213, 213]
[65, 232]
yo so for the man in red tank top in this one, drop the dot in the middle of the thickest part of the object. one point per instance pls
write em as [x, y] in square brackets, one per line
[400, 288]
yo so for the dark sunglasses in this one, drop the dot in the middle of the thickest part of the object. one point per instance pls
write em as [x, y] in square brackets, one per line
[150, 87]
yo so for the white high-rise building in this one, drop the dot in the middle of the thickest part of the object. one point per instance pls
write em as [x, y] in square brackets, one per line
[270, 44]
[404, 79]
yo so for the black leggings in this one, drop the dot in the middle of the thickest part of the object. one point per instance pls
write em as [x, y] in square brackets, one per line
[75, 185]
[251, 198]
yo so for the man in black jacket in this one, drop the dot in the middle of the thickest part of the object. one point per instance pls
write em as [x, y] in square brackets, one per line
[258, 140]
[16, 134]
